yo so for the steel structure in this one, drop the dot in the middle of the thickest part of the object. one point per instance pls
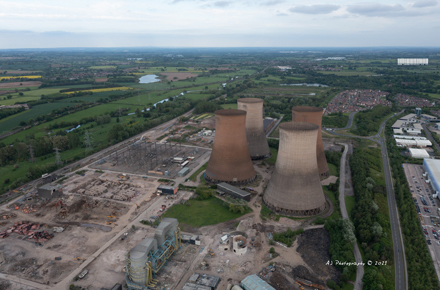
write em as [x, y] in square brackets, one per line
[230, 160]
[255, 135]
[295, 188]
[143, 156]
[314, 115]
[146, 259]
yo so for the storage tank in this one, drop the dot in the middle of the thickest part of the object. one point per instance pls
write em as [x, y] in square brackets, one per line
[230, 160]
[295, 187]
[314, 115]
[255, 135]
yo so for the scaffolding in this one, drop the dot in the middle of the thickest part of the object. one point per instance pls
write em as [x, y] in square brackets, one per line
[157, 256]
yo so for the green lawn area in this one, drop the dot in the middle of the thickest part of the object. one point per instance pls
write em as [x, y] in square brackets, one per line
[199, 213]
[348, 286]
[436, 96]
[333, 169]
[349, 204]
[229, 106]
[273, 157]
[194, 176]
[330, 194]
[31, 95]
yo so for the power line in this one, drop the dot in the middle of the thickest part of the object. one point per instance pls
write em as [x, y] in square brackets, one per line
[88, 140]
[31, 153]
[57, 157]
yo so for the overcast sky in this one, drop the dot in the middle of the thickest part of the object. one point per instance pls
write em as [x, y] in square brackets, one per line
[218, 23]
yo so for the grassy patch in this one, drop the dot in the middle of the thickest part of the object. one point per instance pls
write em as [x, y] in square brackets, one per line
[349, 204]
[273, 157]
[336, 213]
[229, 106]
[199, 213]
[194, 176]
[333, 169]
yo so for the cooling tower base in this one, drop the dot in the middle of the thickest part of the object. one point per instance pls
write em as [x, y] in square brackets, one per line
[295, 213]
[324, 175]
[241, 182]
[261, 157]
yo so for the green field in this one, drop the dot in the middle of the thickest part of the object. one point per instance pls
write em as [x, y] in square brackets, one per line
[31, 95]
[8, 124]
[273, 157]
[229, 106]
[199, 213]
[333, 169]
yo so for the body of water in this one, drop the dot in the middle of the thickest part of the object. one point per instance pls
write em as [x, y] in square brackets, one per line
[148, 79]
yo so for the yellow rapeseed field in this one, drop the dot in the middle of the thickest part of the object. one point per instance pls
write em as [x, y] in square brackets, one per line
[19, 77]
[102, 90]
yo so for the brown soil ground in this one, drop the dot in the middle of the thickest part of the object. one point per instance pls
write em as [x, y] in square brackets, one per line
[314, 249]
[101, 80]
[179, 75]
[17, 84]
[6, 92]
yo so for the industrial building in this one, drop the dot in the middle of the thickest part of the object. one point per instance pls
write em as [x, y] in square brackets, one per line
[201, 282]
[295, 187]
[253, 282]
[432, 167]
[230, 160]
[428, 118]
[268, 124]
[224, 188]
[50, 191]
[415, 143]
[412, 61]
[314, 115]
[418, 111]
[164, 189]
[418, 153]
[255, 134]
[146, 259]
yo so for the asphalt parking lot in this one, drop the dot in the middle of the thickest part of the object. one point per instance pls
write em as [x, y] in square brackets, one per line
[427, 208]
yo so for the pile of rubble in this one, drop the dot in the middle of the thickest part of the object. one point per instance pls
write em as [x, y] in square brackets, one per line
[28, 209]
[266, 273]
[108, 189]
[6, 216]
[28, 229]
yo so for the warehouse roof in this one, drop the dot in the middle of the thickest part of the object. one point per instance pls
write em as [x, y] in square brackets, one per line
[166, 187]
[51, 186]
[418, 153]
[398, 131]
[432, 166]
[409, 116]
[233, 189]
[398, 124]
[253, 282]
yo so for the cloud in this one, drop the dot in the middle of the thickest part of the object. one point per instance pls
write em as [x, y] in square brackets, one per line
[314, 9]
[221, 3]
[272, 2]
[374, 9]
[424, 3]
[281, 14]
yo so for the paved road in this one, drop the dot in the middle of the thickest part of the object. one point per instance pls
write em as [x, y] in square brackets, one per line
[357, 254]
[274, 127]
[401, 275]
[429, 135]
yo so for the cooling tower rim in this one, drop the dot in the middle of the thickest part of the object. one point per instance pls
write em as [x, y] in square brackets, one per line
[230, 112]
[307, 109]
[250, 100]
[298, 126]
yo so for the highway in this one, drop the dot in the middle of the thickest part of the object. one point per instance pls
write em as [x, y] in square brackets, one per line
[401, 275]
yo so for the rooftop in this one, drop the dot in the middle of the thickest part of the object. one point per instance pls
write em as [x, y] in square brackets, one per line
[233, 189]
[51, 186]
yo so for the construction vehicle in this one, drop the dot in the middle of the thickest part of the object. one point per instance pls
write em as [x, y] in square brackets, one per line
[211, 253]
[16, 207]
[111, 216]
[110, 223]
[137, 206]
[307, 283]
[78, 259]
[124, 236]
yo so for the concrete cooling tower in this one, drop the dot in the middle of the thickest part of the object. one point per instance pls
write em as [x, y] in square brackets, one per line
[255, 135]
[230, 161]
[313, 115]
[295, 188]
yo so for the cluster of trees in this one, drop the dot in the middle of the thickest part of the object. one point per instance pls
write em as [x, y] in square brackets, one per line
[341, 247]
[421, 272]
[287, 237]
[372, 225]
[335, 120]
[334, 157]
[41, 146]
[368, 122]
[10, 111]
[205, 107]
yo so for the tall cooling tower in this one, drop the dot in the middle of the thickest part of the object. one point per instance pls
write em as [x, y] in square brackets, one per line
[313, 115]
[295, 187]
[255, 135]
[230, 160]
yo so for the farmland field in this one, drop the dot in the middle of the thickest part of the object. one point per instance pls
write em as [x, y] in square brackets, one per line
[29, 96]
[8, 124]
[19, 77]
[101, 90]
[229, 106]
[17, 84]
[177, 76]
[348, 73]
